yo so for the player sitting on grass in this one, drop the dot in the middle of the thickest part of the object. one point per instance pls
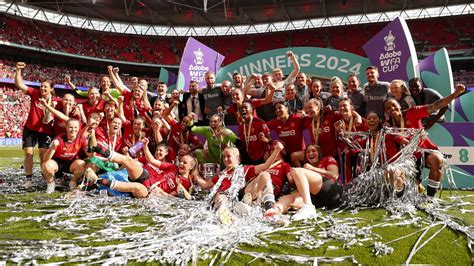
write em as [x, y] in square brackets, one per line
[152, 174]
[227, 185]
[316, 184]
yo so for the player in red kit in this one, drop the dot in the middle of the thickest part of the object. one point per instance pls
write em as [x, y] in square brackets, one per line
[316, 187]
[134, 133]
[254, 135]
[180, 135]
[135, 102]
[321, 129]
[94, 104]
[63, 112]
[350, 122]
[289, 128]
[412, 118]
[35, 131]
[238, 100]
[64, 156]
[167, 178]
[227, 185]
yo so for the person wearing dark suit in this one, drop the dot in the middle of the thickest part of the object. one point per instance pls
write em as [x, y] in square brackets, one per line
[193, 102]
[160, 94]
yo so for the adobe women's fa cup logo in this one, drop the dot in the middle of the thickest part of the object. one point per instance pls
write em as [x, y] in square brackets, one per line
[198, 57]
[390, 60]
[389, 41]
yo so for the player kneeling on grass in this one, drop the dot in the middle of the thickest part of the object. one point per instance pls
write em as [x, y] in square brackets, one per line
[316, 185]
[154, 176]
[232, 180]
[64, 156]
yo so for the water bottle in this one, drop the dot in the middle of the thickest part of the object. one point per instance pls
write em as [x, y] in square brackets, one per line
[136, 148]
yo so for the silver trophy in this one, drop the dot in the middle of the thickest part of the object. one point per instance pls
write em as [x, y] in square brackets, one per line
[209, 170]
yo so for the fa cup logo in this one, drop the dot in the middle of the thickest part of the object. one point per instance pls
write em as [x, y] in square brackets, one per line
[389, 41]
[198, 60]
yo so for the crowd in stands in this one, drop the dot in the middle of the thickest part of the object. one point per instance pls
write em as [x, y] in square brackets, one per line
[457, 33]
[56, 74]
[14, 108]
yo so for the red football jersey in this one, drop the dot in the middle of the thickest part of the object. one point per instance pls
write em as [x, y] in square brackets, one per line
[109, 142]
[249, 171]
[327, 133]
[60, 125]
[413, 117]
[355, 128]
[97, 108]
[165, 177]
[176, 138]
[36, 114]
[290, 132]
[279, 174]
[255, 148]
[69, 151]
[130, 106]
[234, 109]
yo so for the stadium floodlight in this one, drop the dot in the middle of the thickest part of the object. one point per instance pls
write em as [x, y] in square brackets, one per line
[50, 16]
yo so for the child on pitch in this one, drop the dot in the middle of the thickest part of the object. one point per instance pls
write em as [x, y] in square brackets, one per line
[150, 177]
[231, 180]
[316, 185]
[64, 156]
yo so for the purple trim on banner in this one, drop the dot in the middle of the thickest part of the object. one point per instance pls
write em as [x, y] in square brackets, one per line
[459, 132]
[428, 64]
[468, 168]
[172, 79]
[458, 108]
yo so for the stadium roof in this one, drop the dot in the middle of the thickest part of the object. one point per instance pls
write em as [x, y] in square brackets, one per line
[226, 17]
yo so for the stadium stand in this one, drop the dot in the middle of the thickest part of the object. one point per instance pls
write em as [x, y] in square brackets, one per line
[14, 105]
[458, 34]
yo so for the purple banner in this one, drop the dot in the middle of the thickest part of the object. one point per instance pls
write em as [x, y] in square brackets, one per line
[196, 61]
[172, 79]
[393, 52]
